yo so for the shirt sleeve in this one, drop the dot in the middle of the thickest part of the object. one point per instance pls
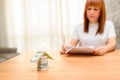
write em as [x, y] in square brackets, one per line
[111, 30]
[75, 33]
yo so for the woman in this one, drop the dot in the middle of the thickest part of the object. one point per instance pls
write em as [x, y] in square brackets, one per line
[95, 31]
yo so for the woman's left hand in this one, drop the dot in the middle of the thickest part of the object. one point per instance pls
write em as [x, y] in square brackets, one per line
[100, 50]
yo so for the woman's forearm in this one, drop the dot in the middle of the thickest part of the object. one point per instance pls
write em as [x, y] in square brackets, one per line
[73, 42]
[111, 45]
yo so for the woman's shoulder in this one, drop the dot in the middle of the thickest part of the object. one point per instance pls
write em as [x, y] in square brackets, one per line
[108, 22]
[80, 25]
[109, 25]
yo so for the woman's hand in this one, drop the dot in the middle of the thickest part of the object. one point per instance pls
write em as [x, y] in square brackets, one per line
[63, 49]
[73, 42]
[111, 45]
[100, 50]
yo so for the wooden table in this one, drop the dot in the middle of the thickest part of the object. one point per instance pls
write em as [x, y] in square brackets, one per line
[75, 67]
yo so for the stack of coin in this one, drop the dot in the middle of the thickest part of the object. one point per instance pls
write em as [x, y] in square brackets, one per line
[42, 63]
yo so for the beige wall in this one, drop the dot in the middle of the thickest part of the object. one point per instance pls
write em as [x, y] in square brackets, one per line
[3, 36]
[113, 13]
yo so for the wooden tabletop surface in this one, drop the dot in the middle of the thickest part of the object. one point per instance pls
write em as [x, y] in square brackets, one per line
[74, 67]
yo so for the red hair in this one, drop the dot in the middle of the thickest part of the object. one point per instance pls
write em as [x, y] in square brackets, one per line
[102, 17]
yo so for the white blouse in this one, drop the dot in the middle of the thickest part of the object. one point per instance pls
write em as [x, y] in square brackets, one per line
[90, 38]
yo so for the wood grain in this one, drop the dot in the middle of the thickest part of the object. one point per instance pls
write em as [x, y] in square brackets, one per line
[74, 67]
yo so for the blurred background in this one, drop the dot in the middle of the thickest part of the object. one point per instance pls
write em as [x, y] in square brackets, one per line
[31, 25]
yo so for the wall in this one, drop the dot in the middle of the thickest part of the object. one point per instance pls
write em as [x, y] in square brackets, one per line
[113, 13]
